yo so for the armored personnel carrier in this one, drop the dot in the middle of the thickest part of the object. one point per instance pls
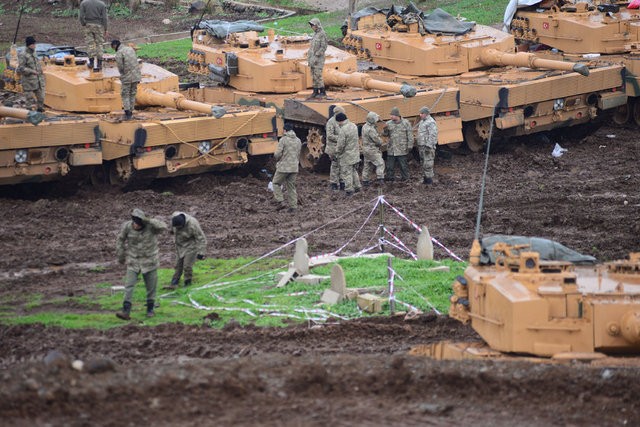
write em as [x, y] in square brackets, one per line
[602, 32]
[170, 135]
[250, 68]
[502, 92]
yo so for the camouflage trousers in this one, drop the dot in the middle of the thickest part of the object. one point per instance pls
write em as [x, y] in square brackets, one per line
[427, 155]
[391, 167]
[349, 175]
[316, 76]
[289, 181]
[372, 160]
[150, 282]
[35, 96]
[184, 264]
[128, 93]
[334, 172]
[94, 38]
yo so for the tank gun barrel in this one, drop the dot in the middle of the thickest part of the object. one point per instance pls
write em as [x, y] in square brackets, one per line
[33, 117]
[362, 80]
[149, 97]
[523, 59]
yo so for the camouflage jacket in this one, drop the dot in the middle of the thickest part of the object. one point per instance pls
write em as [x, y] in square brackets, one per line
[427, 132]
[348, 149]
[93, 12]
[189, 238]
[127, 62]
[332, 130]
[400, 137]
[317, 48]
[140, 247]
[30, 70]
[288, 153]
[371, 141]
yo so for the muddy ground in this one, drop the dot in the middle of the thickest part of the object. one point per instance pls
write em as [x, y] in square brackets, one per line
[352, 373]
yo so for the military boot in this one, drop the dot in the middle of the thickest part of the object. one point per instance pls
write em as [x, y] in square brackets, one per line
[380, 181]
[98, 66]
[314, 95]
[334, 186]
[321, 93]
[187, 282]
[427, 181]
[342, 186]
[150, 306]
[125, 313]
[128, 115]
[90, 63]
[366, 183]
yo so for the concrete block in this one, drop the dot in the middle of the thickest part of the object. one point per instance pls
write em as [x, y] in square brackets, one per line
[286, 277]
[330, 297]
[115, 289]
[311, 279]
[369, 303]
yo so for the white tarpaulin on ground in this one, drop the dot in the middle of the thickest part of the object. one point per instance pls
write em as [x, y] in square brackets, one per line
[511, 10]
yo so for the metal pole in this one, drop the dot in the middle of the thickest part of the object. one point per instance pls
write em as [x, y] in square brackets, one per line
[392, 297]
[381, 219]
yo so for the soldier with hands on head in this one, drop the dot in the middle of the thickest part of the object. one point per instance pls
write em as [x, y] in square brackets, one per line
[191, 244]
[127, 62]
[137, 246]
[371, 144]
[348, 152]
[93, 17]
[427, 140]
[315, 57]
[332, 130]
[287, 155]
[400, 135]
[31, 76]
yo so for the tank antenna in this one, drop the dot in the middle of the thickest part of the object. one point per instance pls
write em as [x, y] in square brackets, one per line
[197, 24]
[15, 35]
[476, 236]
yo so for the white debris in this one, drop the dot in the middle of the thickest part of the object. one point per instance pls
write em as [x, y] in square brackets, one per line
[558, 151]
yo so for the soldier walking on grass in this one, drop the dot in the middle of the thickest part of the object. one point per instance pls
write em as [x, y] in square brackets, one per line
[348, 152]
[93, 18]
[191, 244]
[400, 135]
[137, 245]
[427, 141]
[371, 144]
[315, 57]
[287, 155]
[332, 130]
[127, 62]
[31, 76]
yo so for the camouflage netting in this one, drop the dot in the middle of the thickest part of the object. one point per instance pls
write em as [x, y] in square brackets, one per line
[548, 249]
[222, 29]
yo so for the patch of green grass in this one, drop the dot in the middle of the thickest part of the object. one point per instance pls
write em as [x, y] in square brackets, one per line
[173, 49]
[65, 13]
[33, 301]
[486, 12]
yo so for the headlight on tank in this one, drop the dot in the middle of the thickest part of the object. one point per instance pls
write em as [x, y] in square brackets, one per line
[21, 156]
[204, 147]
[558, 104]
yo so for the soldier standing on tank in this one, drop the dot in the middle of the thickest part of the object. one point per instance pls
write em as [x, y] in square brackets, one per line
[137, 245]
[31, 76]
[288, 156]
[348, 152]
[427, 140]
[127, 62]
[315, 57]
[332, 130]
[400, 135]
[371, 144]
[191, 244]
[93, 17]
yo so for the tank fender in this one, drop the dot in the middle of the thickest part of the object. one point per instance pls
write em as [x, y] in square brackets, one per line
[139, 140]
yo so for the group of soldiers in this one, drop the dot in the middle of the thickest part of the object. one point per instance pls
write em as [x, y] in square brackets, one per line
[93, 18]
[137, 247]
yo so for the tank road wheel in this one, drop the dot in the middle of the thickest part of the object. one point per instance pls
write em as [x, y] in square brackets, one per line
[99, 174]
[476, 134]
[312, 149]
[623, 113]
[635, 113]
[121, 172]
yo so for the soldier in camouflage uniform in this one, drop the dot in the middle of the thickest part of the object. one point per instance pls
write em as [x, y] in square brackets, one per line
[31, 76]
[371, 144]
[348, 152]
[332, 130]
[400, 135]
[191, 244]
[315, 57]
[288, 155]
[137, 244]
[93, 17]
[427, 140]
[127, 62]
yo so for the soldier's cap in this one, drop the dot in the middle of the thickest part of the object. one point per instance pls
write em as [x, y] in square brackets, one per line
[178, 220]
[425, 110]
[115, 43]
[395, 111]
[341, 117]
[288, 126]
[314, 21]
[338, 109]
[29, 41]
